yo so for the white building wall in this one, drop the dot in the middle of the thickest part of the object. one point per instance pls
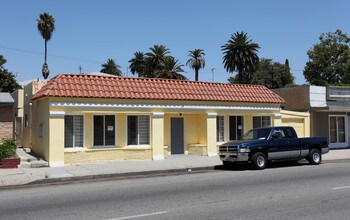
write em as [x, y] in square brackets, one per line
[318, 96]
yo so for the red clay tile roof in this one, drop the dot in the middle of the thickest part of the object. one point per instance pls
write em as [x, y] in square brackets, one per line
[92, 86]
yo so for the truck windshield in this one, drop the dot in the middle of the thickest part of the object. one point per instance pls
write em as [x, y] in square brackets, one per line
[257, 134]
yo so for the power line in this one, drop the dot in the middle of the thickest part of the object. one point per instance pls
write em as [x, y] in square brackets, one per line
[52, 55]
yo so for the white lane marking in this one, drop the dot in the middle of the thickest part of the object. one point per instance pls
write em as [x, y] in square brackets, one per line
[139, 216]
[341, 187]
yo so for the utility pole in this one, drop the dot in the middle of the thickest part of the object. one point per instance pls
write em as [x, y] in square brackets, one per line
[212, 71]
[80, 68]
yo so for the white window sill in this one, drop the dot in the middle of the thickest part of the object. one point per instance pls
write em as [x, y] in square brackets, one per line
[103, 146]
[137, 147]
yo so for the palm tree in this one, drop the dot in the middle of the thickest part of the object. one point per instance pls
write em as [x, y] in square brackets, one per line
[155, 58]
[196, 61]
[138, 64]
[46, 26]
[240, 54]
[170, 69]
[111, 67]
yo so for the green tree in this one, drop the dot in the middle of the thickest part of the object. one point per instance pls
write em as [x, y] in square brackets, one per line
[245, 79]
[196, 61]
[111, 67]
[329, 60]
[240, 54]
[2, 61]
[171, 69]
[154, 58]
[46, 26]
[8, 81]
[272, 74]
[138, 64]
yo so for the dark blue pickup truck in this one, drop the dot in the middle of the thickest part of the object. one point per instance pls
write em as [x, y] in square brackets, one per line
[258, 146]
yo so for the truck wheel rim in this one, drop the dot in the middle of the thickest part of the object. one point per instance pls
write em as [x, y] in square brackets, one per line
[261, 161]
[316, 157]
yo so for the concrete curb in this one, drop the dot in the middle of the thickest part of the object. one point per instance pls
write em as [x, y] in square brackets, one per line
[111, 176]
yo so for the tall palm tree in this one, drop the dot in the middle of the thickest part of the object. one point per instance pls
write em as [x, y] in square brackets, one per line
[111, 67]
[240, 54]
[170, 69]
[138, 64]
[46, 26]
[196, 60]
[155, 58]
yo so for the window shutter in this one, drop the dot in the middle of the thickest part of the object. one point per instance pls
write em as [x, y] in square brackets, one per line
[220, 132]
[68, 131]
[78, 131]
[143, 129]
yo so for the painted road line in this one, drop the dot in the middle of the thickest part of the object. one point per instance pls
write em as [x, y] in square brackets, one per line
[341, 187]
[139, 216]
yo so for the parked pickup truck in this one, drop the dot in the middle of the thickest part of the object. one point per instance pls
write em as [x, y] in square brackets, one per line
[258, 146]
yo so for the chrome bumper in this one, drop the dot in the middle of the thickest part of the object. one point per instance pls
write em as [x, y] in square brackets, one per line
[234, 157]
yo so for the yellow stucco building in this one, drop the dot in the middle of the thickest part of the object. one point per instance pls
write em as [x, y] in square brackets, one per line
[86, 118]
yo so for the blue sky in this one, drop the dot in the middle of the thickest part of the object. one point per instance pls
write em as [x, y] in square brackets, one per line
[89, 32]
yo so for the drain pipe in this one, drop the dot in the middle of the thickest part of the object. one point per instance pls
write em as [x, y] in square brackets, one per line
[30, 121]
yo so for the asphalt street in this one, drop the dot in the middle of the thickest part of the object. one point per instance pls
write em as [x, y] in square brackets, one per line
[287, 192]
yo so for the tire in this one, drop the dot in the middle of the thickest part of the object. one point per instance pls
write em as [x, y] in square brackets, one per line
[314, 157]
[259, 161]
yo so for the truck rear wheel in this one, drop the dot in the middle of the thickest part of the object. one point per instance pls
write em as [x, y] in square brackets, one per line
[314, 157]
[259, 161]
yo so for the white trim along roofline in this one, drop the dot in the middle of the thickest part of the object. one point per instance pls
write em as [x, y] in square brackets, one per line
[119, 105]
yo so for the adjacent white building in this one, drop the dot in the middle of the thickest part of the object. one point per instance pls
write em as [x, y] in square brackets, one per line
[329, 109]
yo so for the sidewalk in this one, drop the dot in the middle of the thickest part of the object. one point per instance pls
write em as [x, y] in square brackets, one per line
[25, 175]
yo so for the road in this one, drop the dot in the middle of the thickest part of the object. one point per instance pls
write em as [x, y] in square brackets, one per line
[287, 192]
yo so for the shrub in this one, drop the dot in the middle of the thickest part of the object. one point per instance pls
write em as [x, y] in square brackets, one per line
[8, 149]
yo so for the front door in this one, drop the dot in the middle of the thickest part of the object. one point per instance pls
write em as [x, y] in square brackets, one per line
[337, 131]
[177, 136]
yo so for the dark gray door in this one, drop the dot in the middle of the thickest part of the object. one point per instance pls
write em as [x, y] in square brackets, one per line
[177, 136]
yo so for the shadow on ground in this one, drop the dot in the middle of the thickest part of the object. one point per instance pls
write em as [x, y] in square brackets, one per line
[270, 165]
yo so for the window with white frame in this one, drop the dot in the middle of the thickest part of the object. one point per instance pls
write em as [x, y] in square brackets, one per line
[220, 128]
[261, 121]
[138, 127]
[236, 127]
[73, 131]
[104, 130]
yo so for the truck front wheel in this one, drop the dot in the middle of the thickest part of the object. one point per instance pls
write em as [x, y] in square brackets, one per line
[314, 157]
[259, 161]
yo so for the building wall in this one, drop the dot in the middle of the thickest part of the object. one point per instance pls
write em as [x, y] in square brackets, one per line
[300, 121]
[18, 114]
[40, 132]
[92, 155]
[6, 122]
[302, 103]
[194, 132]
[199, 128]
[321, 126]
[28, 91]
